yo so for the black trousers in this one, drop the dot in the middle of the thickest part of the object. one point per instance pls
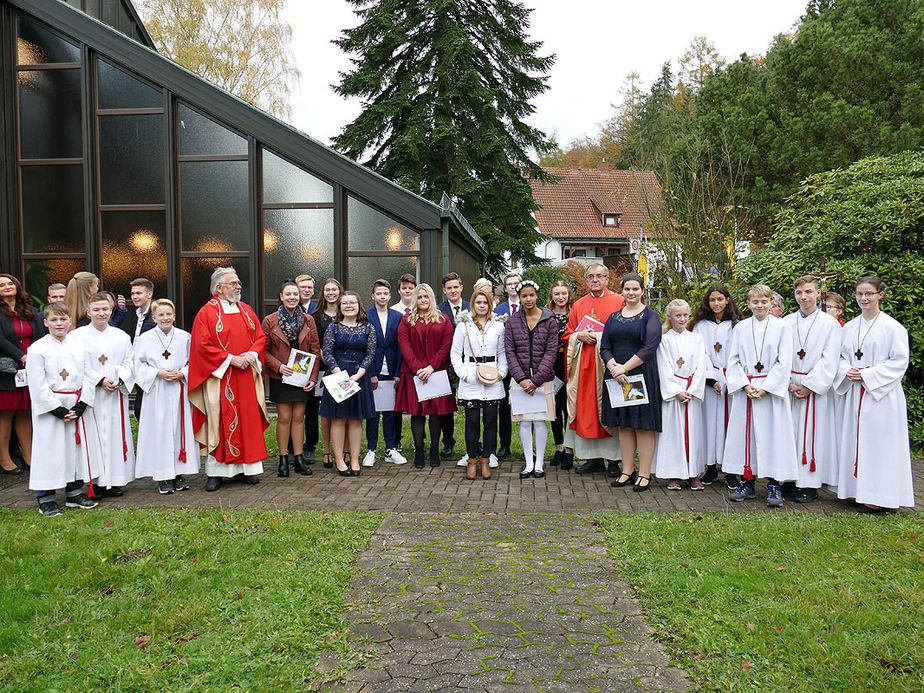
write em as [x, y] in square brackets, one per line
[504, 422]
[561, 415]
[473, 438]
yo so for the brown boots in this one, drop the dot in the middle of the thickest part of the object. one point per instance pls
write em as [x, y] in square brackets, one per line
[471, 468]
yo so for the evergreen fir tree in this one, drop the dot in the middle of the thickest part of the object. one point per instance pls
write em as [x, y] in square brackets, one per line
[446, 85]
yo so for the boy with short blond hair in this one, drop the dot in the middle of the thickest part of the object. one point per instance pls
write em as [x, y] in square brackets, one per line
[61, 388]
[760, 440]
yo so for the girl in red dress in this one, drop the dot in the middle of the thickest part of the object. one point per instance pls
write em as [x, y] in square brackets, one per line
[425, 337]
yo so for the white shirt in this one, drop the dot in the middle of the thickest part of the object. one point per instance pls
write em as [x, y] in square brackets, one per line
[383, 321]
[140, 312]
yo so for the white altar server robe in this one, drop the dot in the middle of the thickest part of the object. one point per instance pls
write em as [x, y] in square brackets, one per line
[62, 451]
[814, 419]
[166, 441]
[875, 457]
[717, 339]
[682, 367]
[760, 435]
[109, 355]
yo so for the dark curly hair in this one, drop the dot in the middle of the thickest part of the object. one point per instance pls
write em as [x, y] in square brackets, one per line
[704, 311]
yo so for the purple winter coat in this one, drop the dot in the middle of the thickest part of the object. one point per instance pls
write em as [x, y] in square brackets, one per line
[531, 355]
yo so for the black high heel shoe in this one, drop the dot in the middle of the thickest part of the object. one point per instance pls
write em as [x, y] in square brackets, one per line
[327, 463]
[624, 480]
[638, 487]
[345, 471]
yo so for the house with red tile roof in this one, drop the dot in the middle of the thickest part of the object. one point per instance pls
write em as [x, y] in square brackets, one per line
[596, 213]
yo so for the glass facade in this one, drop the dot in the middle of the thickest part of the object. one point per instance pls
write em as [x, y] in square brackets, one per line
[126, 170]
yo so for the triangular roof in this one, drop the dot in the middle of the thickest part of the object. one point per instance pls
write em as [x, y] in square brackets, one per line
[573, 205]
[245, 118]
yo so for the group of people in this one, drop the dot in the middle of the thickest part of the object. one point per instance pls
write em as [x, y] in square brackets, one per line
[797, 399]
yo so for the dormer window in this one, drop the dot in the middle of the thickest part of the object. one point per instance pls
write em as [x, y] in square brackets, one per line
[611, 220]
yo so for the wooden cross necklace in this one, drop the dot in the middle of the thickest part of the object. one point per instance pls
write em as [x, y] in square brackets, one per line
[166, 353]
[64, 374]
[859, 352]
[680, 360]
[102, 359]
[802, 342]
[759, 366]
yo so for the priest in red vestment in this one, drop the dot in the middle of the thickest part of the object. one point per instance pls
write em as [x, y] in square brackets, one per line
[226, 384]
[584, 369]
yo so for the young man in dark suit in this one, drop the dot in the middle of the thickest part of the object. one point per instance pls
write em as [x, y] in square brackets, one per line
[452, 306]
[139, 321]
[385, 366]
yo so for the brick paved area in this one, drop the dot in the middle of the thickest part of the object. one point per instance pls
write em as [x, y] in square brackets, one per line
[389, 488]
[499, 603]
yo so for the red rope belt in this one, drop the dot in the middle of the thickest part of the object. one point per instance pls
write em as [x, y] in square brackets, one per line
[686, 419]
[90, 492]
[808, 400]
[122, 415]
[748, 473]
[182, 456]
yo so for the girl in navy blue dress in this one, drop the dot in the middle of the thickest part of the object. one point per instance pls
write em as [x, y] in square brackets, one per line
[629, 346]
[349, 346]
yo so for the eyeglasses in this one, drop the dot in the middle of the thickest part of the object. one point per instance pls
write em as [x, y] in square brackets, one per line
[231, 284]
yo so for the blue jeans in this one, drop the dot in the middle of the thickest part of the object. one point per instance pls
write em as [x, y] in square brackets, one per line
[71, 489]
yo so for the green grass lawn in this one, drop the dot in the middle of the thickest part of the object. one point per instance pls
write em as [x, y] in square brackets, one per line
[142, 600]
[781, 603]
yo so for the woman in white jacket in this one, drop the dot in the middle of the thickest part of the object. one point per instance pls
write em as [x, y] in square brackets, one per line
[478, 359]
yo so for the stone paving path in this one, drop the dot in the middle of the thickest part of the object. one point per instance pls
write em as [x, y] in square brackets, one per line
[499, 603]
[403, 489]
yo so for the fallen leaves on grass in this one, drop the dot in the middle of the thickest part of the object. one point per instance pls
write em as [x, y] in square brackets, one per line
[142, 641]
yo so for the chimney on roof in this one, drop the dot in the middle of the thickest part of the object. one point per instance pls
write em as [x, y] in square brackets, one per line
[573, 165]
[604, 165]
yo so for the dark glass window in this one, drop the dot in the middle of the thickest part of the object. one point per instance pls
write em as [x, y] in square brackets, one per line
[131, 159]
[215, 206]
[49, 114]
[125, 20]
[197, 273]
[133, 246]
[39, 274]
[119, 90]
[37, 46]
[283, 182]
[201, 135]
[371, 230]
[365, 270]
[109, 12]
[297, 241]
[52, 209]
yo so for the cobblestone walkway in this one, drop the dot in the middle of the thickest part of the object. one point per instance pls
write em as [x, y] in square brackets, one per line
[499, 603]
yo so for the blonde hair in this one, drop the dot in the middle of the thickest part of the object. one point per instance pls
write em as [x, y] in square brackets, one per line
[761, 291]
[483, 283]
[77, 295]
[433, 314]
[482, 288]
[671, 307]
[160, 303]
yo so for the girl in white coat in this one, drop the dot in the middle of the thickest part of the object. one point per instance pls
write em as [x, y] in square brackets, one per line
[682, 368]
[875, 457]
[479, 341]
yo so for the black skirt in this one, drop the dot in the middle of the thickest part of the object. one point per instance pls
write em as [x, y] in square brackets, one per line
[279, 392]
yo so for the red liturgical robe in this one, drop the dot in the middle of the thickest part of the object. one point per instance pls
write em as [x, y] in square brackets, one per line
[586, 415]
[229, 413]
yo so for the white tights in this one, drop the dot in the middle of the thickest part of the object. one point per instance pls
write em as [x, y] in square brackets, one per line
[534, 461]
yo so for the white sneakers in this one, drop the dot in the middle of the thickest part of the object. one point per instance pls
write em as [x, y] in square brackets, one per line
[463, 462]
[369, 459]
[394, 457]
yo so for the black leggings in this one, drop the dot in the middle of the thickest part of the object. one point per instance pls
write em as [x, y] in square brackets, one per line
[561, 415]
[473, 437]
[417, 430]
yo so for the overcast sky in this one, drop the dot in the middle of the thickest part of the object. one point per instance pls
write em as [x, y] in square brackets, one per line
[596, 43]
